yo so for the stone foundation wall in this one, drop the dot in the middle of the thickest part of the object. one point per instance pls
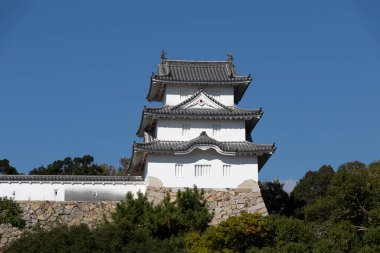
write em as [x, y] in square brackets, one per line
[223, 202]
[48, 214]
[7, 235]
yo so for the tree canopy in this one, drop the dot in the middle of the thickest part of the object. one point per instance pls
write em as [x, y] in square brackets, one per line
[6, 168]
[81, 166]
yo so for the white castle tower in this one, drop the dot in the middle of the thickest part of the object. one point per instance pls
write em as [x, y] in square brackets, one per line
[199, 136]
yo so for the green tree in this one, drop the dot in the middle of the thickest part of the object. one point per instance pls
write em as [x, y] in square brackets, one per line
[353, 193]
[311, 187]
[336, 237]
[275, 198]
[59, 239]
[71, 166]
[236, 234]
[187, 213]
[124, 166]
[10, 212]
[290, 233]
[6, 168]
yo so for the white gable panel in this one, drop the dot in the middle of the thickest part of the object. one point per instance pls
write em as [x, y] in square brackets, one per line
[201, 102]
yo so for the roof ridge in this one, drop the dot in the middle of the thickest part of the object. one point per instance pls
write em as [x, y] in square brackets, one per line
[196, 61]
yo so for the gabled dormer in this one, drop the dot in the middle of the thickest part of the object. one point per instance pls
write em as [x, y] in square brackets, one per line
[177, 79]
[200, 100]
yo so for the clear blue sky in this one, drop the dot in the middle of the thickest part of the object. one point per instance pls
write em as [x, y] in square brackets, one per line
[74, 75]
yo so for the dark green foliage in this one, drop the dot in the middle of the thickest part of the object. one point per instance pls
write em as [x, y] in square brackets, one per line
[372, 238]
[6, 168]
[336, 237]
[192, 210]
[311, 187]
[59, 239]
[238, 233]
[187, 213]
[10, 212]
[353, 193]
[288, 229]
[275, 198]
[71, 166]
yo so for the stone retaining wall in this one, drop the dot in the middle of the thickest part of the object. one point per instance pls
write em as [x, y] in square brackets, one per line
[7, 235]
[223, 202]
[48, 214]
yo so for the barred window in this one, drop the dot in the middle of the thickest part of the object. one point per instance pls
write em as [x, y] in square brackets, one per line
[178, 170]
[226, 170]
[202, 170]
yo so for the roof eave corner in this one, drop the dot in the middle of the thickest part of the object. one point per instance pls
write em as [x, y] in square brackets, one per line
[141, 122]
[149, 95]
[248, 82]
[266, 157]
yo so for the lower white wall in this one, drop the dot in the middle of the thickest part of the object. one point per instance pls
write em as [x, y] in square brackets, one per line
[163, 167]
[68, 191]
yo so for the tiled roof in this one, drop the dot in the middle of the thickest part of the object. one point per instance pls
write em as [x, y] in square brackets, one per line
[204, 140]
[263, 152]
[221, 72]
[206, 73]
[218, 113]
[70, 178]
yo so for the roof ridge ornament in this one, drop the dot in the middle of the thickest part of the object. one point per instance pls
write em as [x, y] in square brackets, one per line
[163, 56]
[230, 58]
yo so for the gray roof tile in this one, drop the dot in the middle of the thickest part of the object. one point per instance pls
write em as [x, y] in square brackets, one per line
[199, 71]
[203, 140]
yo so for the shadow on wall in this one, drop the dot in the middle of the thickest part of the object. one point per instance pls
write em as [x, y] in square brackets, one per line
[96, 195]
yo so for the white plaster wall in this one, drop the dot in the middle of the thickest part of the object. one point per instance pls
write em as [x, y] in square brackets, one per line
[163, 167]
[172, 93]
[230, 130]
[45, 190]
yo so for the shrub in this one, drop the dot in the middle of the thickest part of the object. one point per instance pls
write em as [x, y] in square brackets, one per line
[236, 234]
[372, 238]
[59, 239]
[287, 230]
[10, 212]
